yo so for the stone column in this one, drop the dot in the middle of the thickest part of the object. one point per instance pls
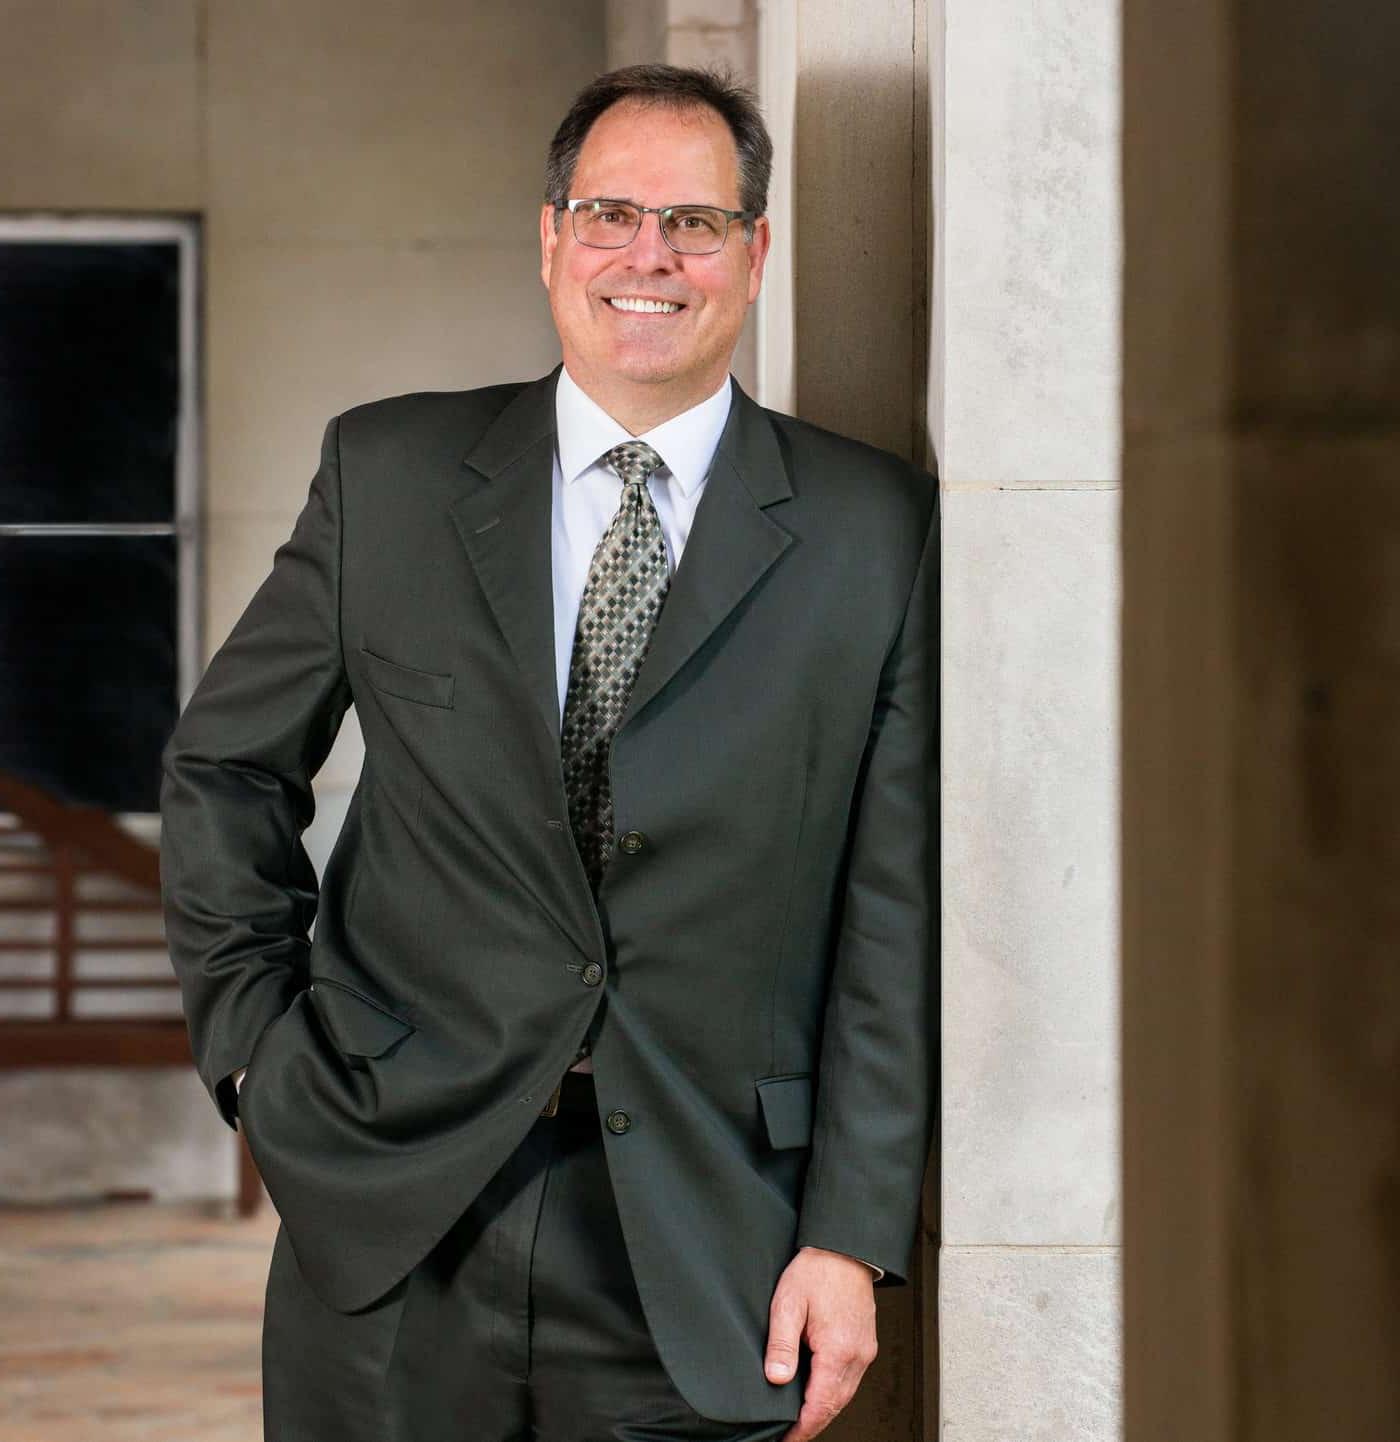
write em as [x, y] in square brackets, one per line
[1023, 407]
[1261, 706]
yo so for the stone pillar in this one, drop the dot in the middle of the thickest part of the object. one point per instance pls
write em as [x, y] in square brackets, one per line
[1261, 707]
[1023, 408]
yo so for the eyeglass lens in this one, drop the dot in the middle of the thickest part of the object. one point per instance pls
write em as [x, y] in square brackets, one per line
[695, 229]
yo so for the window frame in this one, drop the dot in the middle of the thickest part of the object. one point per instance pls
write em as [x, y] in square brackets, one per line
[187, 526]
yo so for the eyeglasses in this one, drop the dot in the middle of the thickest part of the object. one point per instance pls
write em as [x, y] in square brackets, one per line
[687, 229]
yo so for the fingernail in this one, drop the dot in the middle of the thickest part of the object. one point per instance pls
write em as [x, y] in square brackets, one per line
[780, 1369]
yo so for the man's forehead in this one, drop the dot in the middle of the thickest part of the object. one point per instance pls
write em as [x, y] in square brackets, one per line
[626, 146]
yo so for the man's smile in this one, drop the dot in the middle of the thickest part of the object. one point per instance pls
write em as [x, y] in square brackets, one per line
[644, 305]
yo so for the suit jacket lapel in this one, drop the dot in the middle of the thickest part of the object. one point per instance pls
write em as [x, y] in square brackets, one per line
[504, 521]
[732, 542]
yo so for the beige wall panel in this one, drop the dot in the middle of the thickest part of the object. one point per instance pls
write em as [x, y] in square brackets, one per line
[636, 32]
[299, 332]
[709, 45]
[355, 122]
[100, 105]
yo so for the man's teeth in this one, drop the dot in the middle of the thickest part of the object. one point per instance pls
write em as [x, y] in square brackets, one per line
[651, 307]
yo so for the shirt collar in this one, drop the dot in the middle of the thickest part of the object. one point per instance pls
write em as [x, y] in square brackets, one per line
[686, 442]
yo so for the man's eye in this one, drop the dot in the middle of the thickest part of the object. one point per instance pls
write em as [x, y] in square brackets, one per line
[610, 215]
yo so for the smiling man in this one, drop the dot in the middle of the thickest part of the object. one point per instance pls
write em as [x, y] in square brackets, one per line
[599, 1102]
[649, 310]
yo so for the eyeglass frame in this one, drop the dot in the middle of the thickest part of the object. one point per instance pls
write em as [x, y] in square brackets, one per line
[730, 216]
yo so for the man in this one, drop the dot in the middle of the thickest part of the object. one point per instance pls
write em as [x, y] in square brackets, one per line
[600, 1100]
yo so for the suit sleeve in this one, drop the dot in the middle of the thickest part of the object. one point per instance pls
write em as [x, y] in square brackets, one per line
[238, 889]
[875, 1105]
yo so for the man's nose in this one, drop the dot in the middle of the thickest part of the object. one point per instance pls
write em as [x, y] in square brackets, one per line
[648, 248]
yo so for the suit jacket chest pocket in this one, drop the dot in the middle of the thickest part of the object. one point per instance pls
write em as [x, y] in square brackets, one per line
[428, 688]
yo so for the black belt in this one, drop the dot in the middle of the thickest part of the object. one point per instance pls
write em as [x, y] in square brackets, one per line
[574, 1093]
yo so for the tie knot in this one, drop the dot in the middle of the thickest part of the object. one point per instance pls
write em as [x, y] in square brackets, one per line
[634, 461]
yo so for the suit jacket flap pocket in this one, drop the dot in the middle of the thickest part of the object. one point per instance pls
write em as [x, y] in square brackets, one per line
[786, 1102]
[357, 1025]
[432, 688]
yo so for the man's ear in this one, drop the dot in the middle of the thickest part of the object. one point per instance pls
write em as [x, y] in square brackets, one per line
[549, 238]
[758, 255]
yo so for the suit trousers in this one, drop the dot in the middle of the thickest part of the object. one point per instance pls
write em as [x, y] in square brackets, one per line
[523, 1322]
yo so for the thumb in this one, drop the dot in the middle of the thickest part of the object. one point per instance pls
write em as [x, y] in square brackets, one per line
[785, 1322]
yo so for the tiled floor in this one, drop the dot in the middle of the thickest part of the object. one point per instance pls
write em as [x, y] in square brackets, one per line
[132, 1322]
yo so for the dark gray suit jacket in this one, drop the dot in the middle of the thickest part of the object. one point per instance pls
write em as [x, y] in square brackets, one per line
[763, 948]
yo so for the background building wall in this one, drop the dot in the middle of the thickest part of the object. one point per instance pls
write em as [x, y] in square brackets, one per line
[332, 149]
[1261, 703]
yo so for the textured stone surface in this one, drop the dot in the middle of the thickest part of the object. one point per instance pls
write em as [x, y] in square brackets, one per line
[1030, 257]
[1030, 1344]
[1030, 856]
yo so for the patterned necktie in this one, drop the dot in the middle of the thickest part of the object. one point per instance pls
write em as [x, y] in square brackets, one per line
[627, 583]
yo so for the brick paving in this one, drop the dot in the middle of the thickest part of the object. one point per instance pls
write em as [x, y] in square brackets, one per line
[132, 1322]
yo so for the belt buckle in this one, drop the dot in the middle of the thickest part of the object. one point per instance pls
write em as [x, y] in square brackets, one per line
[552, 1105]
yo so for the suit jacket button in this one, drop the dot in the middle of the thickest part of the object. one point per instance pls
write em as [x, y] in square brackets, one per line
[632, 842]
[618, 1122]
[592, 974]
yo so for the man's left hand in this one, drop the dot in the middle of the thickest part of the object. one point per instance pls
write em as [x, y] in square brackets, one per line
[828, 1298]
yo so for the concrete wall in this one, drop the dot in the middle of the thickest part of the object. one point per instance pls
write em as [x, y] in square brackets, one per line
[331, 148]
[1023, 408]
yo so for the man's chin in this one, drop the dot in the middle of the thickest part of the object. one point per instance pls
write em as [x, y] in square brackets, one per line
[645, 370]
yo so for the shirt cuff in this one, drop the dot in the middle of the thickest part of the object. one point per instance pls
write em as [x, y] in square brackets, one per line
[878, 1271]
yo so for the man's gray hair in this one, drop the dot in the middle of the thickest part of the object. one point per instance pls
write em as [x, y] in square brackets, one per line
[678, 88]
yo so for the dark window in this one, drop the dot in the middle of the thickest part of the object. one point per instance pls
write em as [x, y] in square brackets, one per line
[94, 467]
